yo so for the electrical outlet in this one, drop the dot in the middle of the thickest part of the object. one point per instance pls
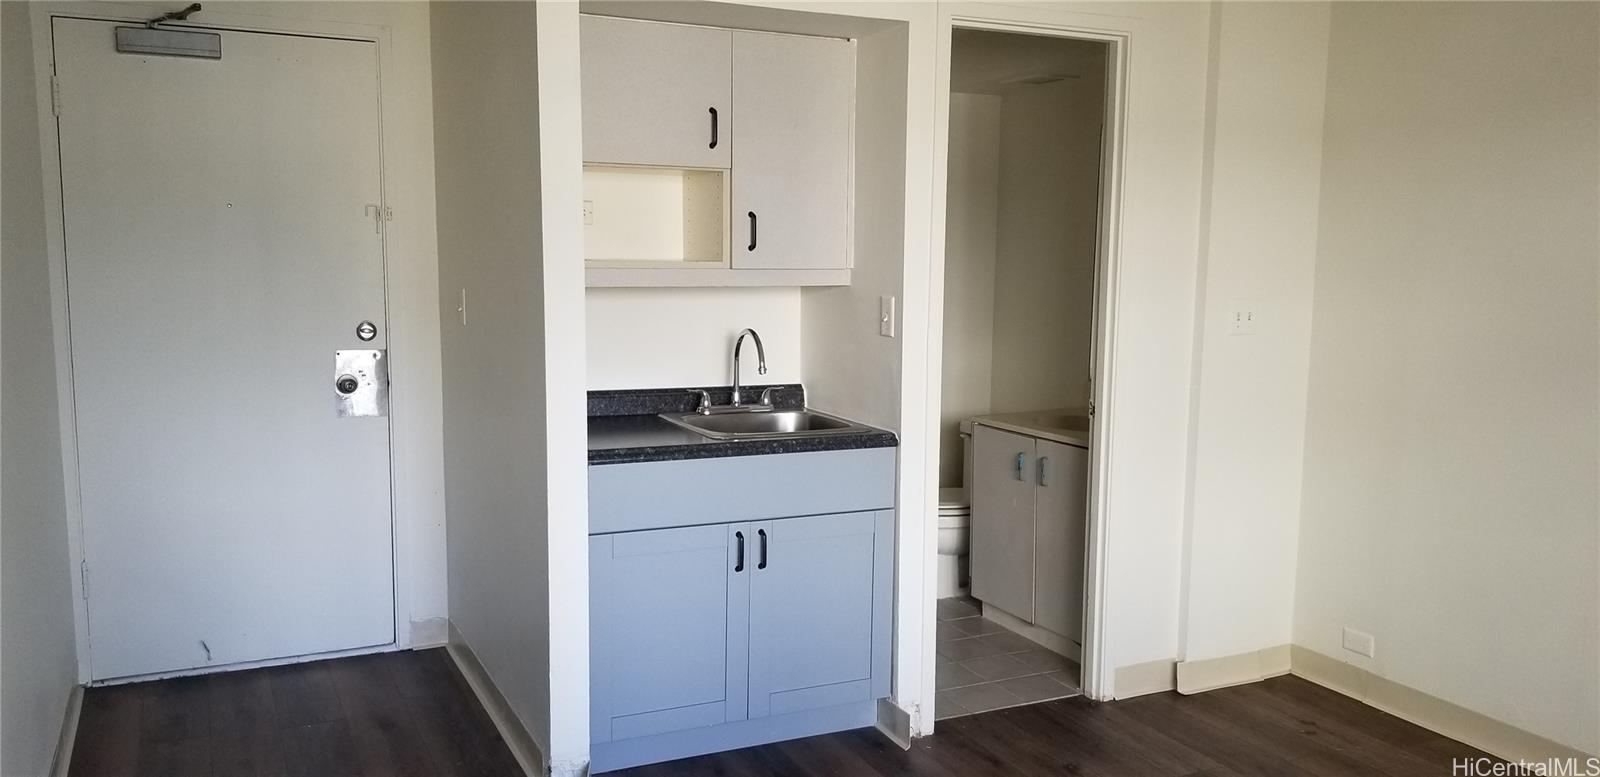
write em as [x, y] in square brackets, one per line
[588, 211]
[886, 316]
[1243, 319]
[1359, 642]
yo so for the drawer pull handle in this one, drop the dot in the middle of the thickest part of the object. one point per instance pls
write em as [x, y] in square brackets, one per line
[713, 127]
[738, 564]
[762, 564]
[1044, 461]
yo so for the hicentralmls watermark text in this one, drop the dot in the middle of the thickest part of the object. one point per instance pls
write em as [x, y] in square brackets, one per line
[1550, 767]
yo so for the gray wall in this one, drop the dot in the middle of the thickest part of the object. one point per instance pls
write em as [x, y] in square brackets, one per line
[38, 664]
[1453, 424]
[486, 146]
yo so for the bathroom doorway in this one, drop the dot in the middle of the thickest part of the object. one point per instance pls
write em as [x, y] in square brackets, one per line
[1023, 251]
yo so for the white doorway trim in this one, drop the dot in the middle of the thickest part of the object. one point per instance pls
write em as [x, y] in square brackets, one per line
[1118, 33]
[410, 290]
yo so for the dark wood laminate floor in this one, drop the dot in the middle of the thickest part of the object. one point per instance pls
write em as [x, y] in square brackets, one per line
[413, 714]
[393, 714]
[1282, 726]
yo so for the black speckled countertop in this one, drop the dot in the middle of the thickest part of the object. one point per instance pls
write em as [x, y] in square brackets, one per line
[625, 427]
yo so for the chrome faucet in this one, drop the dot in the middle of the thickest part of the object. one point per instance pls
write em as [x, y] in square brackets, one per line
[761, 358]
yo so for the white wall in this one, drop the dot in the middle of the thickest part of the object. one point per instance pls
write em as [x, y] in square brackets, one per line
[1453, 427]
[1258, 244]
[486, 133]
[854, 371]
[972, 209]
[38, 665]
[654, 338]
[1047, 232]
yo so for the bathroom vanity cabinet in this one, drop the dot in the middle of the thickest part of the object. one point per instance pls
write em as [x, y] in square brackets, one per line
[1029, 500]
[738, 600]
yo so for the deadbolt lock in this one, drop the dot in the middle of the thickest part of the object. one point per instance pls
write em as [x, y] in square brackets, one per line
[347, 384]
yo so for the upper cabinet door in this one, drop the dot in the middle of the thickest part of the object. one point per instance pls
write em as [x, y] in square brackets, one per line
[791, 173]
[1004, 470]
[656, 94]
[1061, 510]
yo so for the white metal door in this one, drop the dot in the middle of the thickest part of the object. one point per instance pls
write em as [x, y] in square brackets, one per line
[223, 239]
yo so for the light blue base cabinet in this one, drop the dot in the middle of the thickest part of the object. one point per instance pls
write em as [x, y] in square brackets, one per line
[721, 635]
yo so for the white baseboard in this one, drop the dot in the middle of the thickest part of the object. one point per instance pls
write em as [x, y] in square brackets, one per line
[1430, 712]
[69, 733]
[1149, 677]
[895, 723]
[1211, 673]
[526, 749]
[1045, 638]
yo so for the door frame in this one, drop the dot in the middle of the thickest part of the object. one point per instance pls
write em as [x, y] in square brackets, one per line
[1118, 33]
[415, 479]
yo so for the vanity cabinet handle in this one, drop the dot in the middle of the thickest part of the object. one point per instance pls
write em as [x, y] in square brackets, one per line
[1022, 461]
[762, 564]
[713, 127]
[738, 564]
[1044, 461]
[752, 245]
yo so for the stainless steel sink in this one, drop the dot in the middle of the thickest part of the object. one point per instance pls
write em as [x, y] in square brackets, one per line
[764, 425]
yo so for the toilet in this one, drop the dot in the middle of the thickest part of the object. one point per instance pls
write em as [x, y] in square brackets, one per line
[955, 523]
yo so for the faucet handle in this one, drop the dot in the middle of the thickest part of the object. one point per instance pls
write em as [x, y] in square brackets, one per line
[766, 395]
[705, 401]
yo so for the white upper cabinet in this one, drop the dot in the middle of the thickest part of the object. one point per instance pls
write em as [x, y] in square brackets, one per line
[791, 164]
[656, 94]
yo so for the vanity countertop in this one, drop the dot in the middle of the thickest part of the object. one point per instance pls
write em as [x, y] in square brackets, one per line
[625, 428]
[1064, 425]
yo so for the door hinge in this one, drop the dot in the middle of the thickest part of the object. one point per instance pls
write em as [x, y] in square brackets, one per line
[1091, 408]
[55, 95]
[388, 213]
[83, 576]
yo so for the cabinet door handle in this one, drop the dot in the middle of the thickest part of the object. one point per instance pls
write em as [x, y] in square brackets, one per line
[713, 127]
[752, 245]
[738, 564]
[762, 564]
[1044, 461]
[1022, 461]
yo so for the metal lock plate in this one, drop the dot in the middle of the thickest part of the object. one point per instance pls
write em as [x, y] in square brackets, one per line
[361, 383]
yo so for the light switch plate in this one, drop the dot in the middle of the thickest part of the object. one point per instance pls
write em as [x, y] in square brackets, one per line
[886, 316]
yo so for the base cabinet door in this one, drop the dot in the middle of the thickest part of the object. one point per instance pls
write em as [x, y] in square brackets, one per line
[818, 592]
[1003, 470]
[668, 629]
[1060, 502]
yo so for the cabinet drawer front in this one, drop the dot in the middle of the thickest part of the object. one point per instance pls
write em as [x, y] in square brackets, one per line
[649, 90]
[667, 622]
[659, 494]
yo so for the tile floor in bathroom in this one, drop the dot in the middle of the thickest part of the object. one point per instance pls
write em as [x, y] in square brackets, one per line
[983, 666]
